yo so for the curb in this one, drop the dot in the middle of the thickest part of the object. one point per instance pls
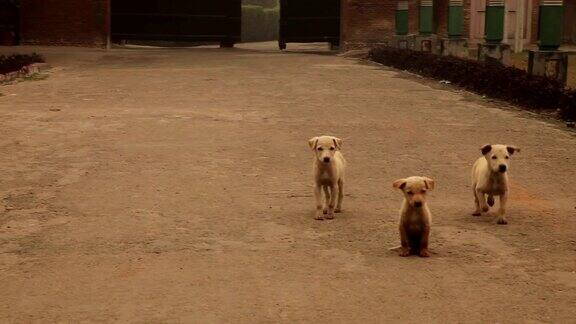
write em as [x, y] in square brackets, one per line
[26, 71]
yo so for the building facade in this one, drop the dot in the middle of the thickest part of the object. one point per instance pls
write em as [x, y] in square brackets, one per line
[366, 22]
[363, 22]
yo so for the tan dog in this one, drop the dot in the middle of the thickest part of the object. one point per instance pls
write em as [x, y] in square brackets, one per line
[490, 177]
[328, 168]
[415, 217]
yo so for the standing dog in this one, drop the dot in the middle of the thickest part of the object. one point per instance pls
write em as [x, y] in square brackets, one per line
[490, 177]
[328, 168]
[415, 217]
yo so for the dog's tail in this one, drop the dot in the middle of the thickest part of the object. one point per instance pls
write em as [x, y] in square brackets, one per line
[490, 200]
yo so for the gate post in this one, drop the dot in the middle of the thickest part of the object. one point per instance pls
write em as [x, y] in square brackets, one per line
[493, 49]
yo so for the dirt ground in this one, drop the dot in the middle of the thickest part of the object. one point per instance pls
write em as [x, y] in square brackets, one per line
[174, 185]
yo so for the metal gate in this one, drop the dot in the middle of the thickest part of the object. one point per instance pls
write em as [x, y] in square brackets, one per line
[177, 20]
[9, 23]
[306, 21]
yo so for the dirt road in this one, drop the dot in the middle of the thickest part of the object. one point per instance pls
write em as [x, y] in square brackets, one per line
[174, 186]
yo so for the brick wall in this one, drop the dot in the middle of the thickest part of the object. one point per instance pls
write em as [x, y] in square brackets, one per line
[413, 16]
[441, 17]
[467, 17]
[534, 21]
[570, 21]
[367, 22]
[65, 22]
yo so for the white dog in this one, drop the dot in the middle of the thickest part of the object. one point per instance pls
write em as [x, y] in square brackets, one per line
[328, 168]
[415, 217]
[489, 177]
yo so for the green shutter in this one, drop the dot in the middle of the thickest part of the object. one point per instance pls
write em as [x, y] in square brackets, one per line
[550, 24]
[494, 21]
[426, 17]
[455, 18]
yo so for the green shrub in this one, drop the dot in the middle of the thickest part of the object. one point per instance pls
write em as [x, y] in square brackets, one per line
[13, 63]
[485, 78]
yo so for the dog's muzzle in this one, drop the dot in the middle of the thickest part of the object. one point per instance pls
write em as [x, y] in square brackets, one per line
[326, 160]
[502, 168]
[418, 204]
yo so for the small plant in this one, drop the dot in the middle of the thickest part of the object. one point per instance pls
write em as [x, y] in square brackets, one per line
[485, 78]
[12, 63]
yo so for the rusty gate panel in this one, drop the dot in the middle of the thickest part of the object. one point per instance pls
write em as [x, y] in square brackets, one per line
[306, 21]
[177, 20]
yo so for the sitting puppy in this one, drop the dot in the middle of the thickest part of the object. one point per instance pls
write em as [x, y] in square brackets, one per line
[328, 168]
[415, 217]
[489, 177]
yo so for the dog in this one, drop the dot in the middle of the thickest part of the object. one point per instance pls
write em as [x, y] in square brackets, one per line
[415, 217]
[490, 177]
[328, 169]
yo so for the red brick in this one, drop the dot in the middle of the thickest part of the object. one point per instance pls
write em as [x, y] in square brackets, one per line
[366, 22]
[65, 22]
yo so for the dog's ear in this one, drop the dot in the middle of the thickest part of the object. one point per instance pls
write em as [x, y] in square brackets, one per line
[337, 142]
[486, 149]
[430, 183]
[512, 149]
[399, 184]
[313, 142]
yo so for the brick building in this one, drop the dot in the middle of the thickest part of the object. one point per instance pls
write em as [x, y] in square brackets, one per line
[363, 22]
[367, 22]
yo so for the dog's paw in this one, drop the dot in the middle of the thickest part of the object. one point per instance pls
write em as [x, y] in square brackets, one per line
[338, 210]
[501, 221]
[404, 252]
[424, 253]
[490, 201]
[485, 209]
[319, 217]
[476, 213]
[330, 215]
[325, 211]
